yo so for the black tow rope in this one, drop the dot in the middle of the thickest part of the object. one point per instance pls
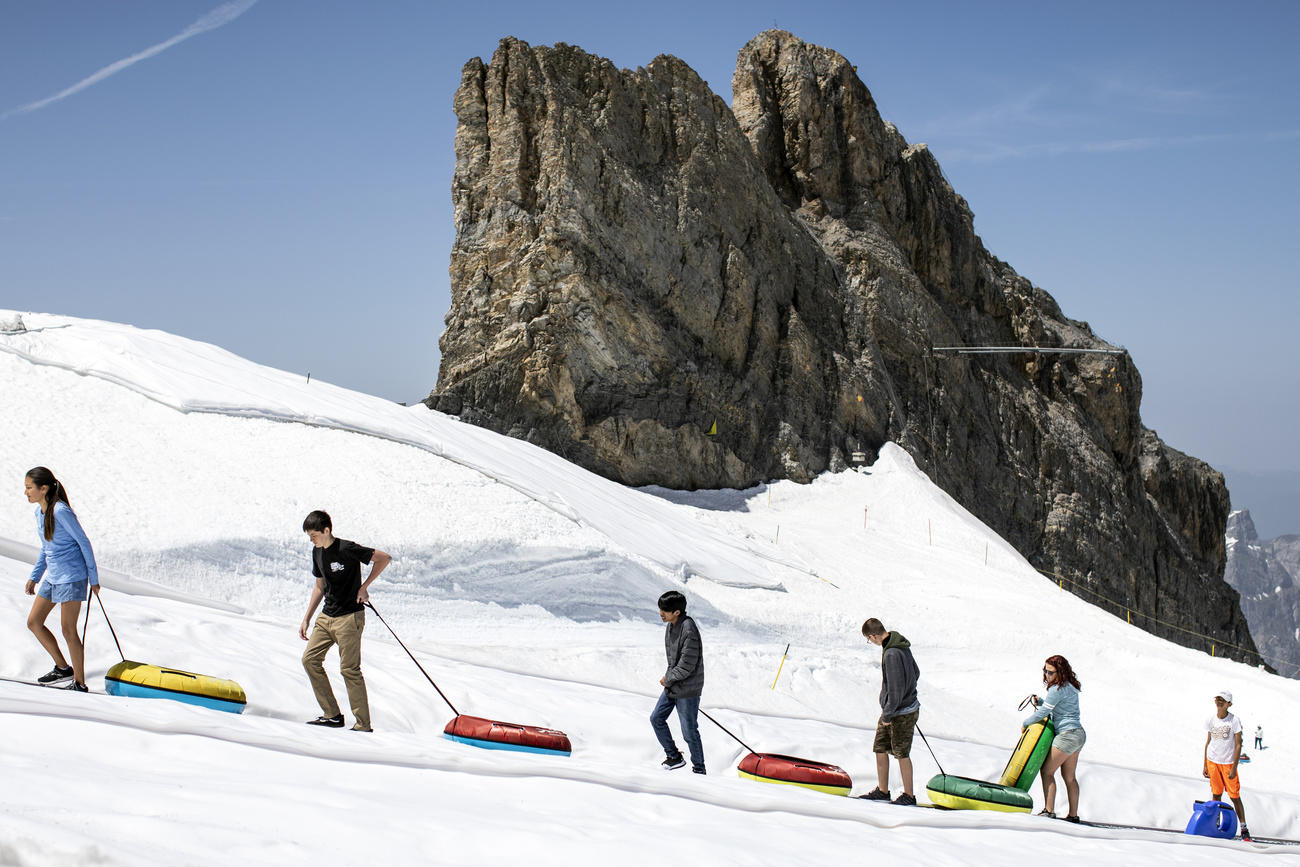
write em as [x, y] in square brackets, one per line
[931, 749]
[111, 630]
[413, 659]
[86, 623]
[725, 729]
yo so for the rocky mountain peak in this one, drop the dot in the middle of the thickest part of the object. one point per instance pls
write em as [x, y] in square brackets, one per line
[1266, 572]
[670, 291]
[1241, 528]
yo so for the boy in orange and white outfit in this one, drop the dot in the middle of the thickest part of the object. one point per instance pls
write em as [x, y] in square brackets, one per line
[1222, 752]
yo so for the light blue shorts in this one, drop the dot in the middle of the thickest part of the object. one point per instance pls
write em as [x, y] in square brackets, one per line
[73, 591]
[1070, 741]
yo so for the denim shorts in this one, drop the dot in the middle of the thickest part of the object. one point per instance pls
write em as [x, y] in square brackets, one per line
[73, 591]
[1070, 741]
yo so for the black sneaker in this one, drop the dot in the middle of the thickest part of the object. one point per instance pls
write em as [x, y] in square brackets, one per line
[697, 769]
[905, 800]
[1074, 819]
[55, 675]
[1048, 813]
[672, 763]
[77, 687]
[875, 795]
[333, 722]
[1245, 833]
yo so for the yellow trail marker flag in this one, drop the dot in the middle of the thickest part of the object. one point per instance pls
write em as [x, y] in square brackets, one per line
[713, 429]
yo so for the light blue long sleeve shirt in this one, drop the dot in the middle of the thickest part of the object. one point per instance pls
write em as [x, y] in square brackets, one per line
[1062, 704]
[68, 556]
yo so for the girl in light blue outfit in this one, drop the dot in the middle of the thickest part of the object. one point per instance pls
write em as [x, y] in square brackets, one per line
[1061, 704]
[67, 564]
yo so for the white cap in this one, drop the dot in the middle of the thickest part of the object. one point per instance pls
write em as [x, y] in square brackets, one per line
[1225, 695]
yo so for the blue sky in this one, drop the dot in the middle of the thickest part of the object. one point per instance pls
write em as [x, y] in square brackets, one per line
[274, 175]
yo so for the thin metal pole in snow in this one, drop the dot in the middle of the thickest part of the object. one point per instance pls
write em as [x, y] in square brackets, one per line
[413, 659]
[781, 666]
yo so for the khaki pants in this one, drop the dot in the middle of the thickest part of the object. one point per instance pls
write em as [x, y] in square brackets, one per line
[345, 631]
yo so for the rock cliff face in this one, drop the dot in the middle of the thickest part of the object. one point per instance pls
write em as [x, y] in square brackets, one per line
[1266, 572]
[669, 291]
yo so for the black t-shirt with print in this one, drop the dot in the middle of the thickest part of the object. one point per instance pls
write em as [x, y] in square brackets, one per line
[340, 566]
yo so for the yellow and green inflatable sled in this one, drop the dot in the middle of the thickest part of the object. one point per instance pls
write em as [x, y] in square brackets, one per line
[1010, 793]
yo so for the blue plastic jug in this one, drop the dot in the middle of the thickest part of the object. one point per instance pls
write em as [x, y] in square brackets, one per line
[1213, 819]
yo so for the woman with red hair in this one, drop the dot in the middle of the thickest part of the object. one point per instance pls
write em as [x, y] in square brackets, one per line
[1061, 704]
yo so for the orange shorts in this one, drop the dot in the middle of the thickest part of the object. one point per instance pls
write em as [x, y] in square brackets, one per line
[1219, 782]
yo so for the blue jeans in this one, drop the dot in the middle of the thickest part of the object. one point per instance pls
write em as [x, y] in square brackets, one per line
[688, 711]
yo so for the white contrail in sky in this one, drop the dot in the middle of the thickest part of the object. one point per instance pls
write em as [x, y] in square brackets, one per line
[223, 14]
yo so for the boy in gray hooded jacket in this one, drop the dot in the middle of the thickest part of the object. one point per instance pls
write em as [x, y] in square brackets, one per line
[899, 710]
[683, 683]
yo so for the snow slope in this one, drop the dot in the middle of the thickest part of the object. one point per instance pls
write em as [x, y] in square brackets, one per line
[526, 586]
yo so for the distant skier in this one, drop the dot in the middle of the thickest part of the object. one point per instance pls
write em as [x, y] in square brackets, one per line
[683, 684]
[1061, 703]
[900, 709]
[67, 564]
[1222, 752]
[336, 563]
[1259, 737]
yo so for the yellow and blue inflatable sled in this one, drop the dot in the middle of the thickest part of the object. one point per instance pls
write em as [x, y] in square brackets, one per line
[141, 680]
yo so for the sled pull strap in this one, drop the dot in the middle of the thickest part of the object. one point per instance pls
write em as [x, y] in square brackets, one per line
[725, 729]
[413, 659]
[111, 630]
[85, 623]
[931, 749]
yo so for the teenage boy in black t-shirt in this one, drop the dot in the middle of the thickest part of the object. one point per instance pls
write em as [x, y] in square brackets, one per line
[336, 563]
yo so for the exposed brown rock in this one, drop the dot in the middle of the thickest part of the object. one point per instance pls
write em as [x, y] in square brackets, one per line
[634, 261]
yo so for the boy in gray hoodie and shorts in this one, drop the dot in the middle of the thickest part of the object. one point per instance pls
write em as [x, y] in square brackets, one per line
[899, 710]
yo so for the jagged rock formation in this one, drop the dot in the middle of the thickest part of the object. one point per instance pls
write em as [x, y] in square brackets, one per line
[1266, 572]
[607, 304]
[635, 263]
